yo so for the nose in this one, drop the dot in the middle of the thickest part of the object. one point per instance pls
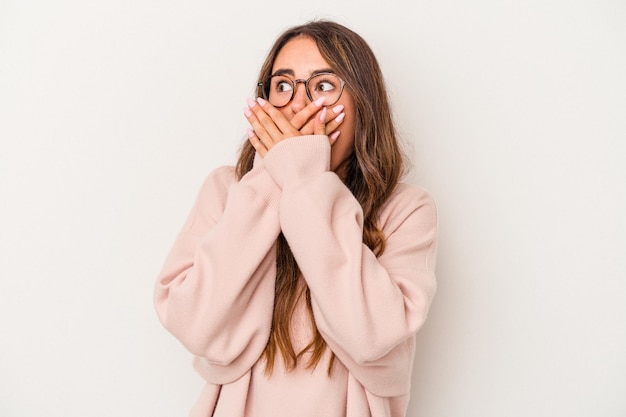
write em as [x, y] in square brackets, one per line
[300, 99]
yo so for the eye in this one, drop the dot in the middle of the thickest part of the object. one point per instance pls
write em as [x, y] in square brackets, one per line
[325, 86]
[282, 86]
[325, 83]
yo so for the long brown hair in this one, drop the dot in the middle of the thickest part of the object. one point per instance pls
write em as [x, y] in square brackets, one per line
[372, 170]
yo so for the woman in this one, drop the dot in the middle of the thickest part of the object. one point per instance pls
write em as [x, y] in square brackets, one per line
[302, 274]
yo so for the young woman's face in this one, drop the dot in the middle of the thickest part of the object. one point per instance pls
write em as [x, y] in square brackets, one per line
[302, 57]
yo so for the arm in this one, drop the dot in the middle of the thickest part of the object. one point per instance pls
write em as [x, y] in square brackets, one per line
[367, 309]
[215, 291]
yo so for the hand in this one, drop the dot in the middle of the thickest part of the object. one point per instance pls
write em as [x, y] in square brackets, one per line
[304, 122]
[271, 126]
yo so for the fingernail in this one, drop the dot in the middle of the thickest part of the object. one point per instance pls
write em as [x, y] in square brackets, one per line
[250, 133]
[251, 103]
[333, 137]
[323, 115]
[339, 118]
[338, 109]
[247, 112]
[261, 101]
[319, 101]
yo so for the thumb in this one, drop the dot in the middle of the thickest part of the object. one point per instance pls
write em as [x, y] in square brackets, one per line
[319, 126]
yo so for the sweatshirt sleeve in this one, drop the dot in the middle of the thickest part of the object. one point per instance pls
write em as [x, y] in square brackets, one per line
[215, 291]
[368, 309]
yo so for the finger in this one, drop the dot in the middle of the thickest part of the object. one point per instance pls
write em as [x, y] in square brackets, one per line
[335, 123]
[256, 143]
[336, 111]
[304, 115]
[263, 126]
[281, 122]
[334, 118]
[319, 126]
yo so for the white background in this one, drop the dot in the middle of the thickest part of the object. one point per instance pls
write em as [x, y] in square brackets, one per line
[113, 112]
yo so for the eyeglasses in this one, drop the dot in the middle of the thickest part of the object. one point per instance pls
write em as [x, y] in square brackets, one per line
[280, 89]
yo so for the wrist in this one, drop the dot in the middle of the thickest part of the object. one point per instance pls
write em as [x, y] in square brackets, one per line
[295, 159]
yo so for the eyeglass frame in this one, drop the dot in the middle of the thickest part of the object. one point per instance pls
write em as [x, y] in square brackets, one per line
[295, 83]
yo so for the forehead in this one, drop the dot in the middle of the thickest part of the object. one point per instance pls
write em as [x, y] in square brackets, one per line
[301, 55]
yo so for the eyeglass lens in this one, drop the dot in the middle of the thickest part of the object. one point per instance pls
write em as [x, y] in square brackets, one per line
[280, 89]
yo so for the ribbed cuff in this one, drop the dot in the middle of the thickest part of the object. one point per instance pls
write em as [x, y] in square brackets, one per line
[295, 159]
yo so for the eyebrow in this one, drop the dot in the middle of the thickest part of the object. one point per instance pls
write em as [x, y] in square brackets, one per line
[290, 72]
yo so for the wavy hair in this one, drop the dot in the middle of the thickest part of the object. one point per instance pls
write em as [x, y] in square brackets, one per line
[372, 170]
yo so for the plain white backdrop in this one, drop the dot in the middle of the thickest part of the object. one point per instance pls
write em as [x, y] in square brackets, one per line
[514, 113]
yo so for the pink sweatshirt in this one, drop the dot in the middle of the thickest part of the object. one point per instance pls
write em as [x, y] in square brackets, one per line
[215, 292]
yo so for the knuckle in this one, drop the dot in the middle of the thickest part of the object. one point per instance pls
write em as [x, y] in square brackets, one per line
[263, 117]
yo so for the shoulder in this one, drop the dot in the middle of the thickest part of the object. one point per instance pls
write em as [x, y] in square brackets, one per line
[408, 201]
[211, 198]
[412, 194]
